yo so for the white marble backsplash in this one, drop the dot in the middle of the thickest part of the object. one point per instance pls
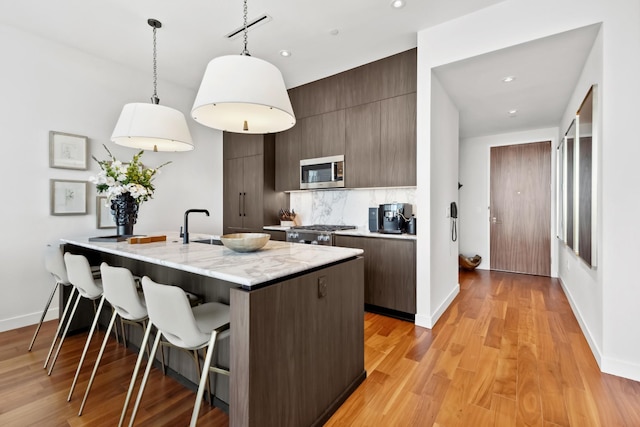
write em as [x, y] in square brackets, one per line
[350, 207]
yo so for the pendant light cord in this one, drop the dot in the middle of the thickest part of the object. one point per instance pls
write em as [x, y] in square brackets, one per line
[245, 51]
[155, 98]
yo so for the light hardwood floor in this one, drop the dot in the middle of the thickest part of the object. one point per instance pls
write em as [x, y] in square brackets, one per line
[508, 352]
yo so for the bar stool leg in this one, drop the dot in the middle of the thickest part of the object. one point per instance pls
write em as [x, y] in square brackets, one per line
[145, 378]
[44, 313]
[145, 343]
[203, 378]
[95, 367]
[64, 334]
[59, 328]
[86, 347]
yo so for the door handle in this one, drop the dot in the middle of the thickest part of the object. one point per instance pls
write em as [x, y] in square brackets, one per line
[240, 204]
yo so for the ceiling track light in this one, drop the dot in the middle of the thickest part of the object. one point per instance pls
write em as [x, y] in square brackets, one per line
[243, 94]
[152, 126]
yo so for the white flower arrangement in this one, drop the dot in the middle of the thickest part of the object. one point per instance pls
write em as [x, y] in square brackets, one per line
[116, 178]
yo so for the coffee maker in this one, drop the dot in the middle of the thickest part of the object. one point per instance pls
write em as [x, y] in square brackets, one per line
[393, 218]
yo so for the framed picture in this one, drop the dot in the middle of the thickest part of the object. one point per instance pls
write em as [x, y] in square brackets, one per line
[68, 197]
[67, 151]
[103, 213]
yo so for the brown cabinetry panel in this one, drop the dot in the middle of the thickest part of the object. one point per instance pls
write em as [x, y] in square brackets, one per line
[389, 77]
[241, 145]
[250, 200]
[287, 159]
[232, 189]
[389, 271]
[362, 146]
[398, 141]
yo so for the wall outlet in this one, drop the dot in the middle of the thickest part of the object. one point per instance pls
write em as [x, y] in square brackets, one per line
[322, 287]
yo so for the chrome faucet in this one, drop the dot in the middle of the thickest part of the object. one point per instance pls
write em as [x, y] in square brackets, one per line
[185, 235]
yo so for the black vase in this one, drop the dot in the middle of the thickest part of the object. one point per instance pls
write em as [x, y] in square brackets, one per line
[124, 209]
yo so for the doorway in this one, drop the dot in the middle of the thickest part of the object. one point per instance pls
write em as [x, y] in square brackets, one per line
[520, 208]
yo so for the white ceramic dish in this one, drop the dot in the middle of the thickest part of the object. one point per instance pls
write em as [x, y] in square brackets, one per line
[245, 242]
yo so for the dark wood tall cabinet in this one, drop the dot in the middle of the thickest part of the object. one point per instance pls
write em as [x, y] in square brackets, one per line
[250, 199]
[367, 113]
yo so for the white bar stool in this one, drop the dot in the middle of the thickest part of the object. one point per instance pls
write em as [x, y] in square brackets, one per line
[184, 327]
[81, 277]
[120, 290]
[54, 264]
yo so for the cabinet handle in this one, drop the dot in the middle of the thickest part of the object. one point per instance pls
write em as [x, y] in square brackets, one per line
[239, 204]
[244, 204]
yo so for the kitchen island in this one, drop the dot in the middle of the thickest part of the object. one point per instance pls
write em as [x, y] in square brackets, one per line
[296, 343]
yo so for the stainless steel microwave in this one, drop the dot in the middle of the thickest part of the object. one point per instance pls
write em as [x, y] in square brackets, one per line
[323, 172]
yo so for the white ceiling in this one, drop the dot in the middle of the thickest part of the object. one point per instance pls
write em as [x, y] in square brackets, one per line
[193, 33]
[545, 70]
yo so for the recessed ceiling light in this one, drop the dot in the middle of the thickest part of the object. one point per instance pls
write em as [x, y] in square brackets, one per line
[285, 53]
[508, 79]
[513, 113]
[397, 4]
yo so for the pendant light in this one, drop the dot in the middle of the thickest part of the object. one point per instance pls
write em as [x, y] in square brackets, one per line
[152, 126]
[243, 94]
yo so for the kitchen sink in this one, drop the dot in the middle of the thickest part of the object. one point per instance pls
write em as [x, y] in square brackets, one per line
[216, 242]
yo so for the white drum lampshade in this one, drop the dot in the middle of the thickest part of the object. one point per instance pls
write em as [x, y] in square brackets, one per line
[152, 127]
[243, 94]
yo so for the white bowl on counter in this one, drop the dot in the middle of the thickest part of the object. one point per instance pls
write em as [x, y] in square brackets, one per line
[245, 242]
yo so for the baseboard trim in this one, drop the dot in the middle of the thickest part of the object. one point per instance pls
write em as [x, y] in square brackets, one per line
[595, 350]
[27, 320]
[429, 321]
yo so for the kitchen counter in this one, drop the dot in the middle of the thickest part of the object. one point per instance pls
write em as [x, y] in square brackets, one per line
[275, 260]
[361, 232]
[302, 301]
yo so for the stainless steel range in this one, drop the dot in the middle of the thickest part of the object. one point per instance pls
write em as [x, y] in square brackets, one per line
[318, 234]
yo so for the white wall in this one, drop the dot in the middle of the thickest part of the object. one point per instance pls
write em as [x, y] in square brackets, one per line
[582, 284]
[517, 21]
[444, 190]
[45, 87]
[475, 171]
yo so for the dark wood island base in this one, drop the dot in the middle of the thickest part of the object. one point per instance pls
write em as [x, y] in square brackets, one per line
[296, 348]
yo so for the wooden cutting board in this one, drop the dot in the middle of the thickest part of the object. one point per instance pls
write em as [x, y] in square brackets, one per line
[146, 239]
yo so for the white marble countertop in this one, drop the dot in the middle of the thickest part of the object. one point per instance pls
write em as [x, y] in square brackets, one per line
[359, 232]
[275, 260]
[363, 232]
[276, 227]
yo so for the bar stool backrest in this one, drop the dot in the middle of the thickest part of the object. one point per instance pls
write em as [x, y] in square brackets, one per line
[54, 263]
[80, 276]
[170, 311]
[121, 292]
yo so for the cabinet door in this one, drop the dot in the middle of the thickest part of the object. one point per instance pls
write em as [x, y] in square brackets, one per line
[241, 145]
[287, 159]
[389, 271]
[333, 133]
[232, 190]
[398, 141]
[252, 196]
[362, 146]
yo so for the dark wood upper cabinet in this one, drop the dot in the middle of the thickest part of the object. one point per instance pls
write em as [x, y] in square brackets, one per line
[367, 113]
[389, 77]
[362, 146]
[398, 141]
[287, 159]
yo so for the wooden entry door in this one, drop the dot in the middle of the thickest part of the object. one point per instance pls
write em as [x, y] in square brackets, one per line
[521, 208]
